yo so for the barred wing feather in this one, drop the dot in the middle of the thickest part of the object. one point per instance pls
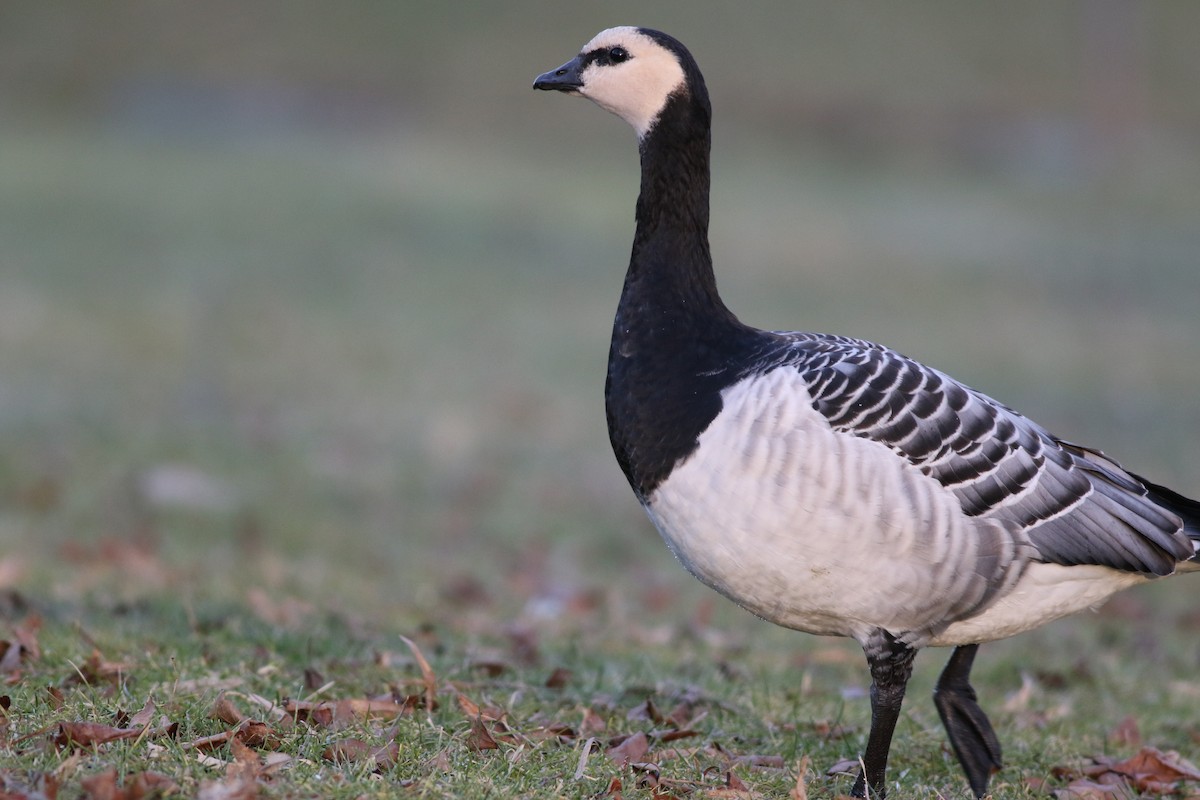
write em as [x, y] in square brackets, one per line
[1075, 505]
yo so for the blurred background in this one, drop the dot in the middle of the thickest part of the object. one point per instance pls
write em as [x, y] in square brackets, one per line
[317, 296]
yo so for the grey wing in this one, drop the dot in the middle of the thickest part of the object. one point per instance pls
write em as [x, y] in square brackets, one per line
[1075, 505]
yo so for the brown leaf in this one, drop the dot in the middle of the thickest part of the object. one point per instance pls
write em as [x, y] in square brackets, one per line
[357, 750]
[592, 723]
[143, 785]
[10, 659]
[1149, 771]
[555, 730]
[493, 668]
[224, 710]
[614, 789]
[682, 715]
[800, 790]
[231, 787]
[1084, 789]
[645, 712]
[313, 680]
[150, 784]
[101, 786]
[439, 761]
[427, 673]
[245, 760]
[253, 733]
[480, 738]
[25, 633]
[1154, 770]
[98, 670]
[144, 717]
[630, 749]
[559, 678]
[89, 734]
[206, 744]
[22, 648]
[24, 785]
[845, 766]
[467, 705]
[338, 713]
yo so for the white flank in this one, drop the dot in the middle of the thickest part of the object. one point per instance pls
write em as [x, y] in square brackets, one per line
[835, 534]
[1045, 592]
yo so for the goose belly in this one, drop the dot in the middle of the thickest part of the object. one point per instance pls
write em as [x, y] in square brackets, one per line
[1044, 593]
[817, 530]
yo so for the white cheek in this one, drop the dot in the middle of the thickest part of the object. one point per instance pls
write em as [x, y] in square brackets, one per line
[636, 91]
[628, 96]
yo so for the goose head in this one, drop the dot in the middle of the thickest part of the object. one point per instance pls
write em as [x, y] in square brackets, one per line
[632, 72]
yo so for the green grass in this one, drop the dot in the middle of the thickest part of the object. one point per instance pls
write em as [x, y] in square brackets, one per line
[385, 354]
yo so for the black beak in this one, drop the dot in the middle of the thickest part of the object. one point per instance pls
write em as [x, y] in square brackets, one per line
[564, 79]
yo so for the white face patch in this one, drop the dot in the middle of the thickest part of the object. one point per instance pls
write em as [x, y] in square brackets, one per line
[637, 89]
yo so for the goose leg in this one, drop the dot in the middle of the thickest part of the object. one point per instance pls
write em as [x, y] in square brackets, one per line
[970, 733]
[891, 665]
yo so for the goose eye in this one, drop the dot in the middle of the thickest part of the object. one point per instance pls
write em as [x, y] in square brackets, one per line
[618, 54]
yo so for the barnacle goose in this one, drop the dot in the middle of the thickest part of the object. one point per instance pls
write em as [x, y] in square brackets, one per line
[832, 485]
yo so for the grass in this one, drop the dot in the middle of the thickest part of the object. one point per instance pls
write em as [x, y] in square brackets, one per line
[270, 403]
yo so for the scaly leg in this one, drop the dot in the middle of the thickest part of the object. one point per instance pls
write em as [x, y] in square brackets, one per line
[970, 733]
[891, 665]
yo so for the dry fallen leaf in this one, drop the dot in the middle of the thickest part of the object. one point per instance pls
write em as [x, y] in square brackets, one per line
[98, 670]
[357, 750]
[206, 744]
[151, 784]
[629, 750]
[1148, 772]
[1084, 789]
[340, 713]
[614, 790]
[646, 711]
[559, 678]
[225, 711]
[144, 717]
[253, 733]
[90, 734]
[101, 786]
[427, 673]
[728, 793]
[592, 723]
[800, 790]
[480, 738]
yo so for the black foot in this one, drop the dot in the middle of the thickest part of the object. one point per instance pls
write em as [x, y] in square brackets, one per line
[891, 665]
[970, 733]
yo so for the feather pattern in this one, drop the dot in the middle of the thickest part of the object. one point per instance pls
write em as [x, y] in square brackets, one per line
[1076, 505]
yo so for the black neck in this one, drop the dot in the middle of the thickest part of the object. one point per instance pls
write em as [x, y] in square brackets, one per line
[671, 266]
[675, 346]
